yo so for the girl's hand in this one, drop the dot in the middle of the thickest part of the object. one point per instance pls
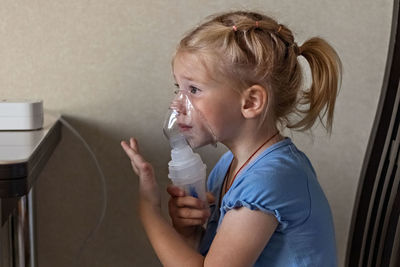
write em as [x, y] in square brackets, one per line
[186, 212]
[148, 187]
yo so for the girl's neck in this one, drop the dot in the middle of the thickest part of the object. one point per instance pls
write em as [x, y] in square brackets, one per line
[245, 146]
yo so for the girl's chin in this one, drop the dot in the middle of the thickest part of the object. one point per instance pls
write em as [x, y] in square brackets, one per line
[197, 142]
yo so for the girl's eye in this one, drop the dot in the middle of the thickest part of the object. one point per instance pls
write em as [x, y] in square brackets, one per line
[176, 91]
[193, 89]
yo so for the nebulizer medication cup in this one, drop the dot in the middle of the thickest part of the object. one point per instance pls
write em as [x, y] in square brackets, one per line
[186, 169]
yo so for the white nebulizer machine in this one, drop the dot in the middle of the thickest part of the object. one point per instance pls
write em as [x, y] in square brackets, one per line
[186, 169]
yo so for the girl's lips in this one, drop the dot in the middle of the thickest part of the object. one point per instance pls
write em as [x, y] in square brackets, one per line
[184, 127]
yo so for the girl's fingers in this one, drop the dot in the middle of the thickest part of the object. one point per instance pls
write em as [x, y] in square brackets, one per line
[134, 145]
[133, 154]
[125, 146]
[148, 187]
[131, 142]
[175, 191]
[139, 164]
[182, 222]
[210, 198]
[188, 213]
[190, 202]
[127, 149]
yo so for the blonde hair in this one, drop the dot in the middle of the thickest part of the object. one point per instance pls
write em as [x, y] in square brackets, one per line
[249, 48]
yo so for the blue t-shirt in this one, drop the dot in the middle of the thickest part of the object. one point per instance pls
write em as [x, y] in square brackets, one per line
[280, 181]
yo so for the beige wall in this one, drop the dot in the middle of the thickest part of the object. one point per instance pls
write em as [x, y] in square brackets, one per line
[105, 65]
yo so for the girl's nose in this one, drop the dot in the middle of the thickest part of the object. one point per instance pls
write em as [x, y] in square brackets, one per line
[179, 103]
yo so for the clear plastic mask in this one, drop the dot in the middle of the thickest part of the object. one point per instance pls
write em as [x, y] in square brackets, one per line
[185, 124]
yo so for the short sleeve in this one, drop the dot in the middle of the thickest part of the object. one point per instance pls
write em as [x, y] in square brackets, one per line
[281, 191]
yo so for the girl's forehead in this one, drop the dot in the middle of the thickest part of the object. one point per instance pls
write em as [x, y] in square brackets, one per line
[200, 68]
[190, 66]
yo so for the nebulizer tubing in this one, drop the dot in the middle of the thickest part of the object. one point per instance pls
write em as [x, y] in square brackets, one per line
[103, 186]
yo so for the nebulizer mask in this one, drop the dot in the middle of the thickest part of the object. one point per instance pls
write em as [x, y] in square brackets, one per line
[186, 128]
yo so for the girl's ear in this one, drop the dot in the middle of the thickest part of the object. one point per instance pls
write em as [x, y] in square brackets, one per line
[254, 101]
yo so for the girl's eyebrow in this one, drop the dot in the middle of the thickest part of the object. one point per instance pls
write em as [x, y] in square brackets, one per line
[198, 82]
[185, 77]
[188, 78]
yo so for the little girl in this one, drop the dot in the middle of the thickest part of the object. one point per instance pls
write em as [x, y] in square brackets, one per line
[242, 74]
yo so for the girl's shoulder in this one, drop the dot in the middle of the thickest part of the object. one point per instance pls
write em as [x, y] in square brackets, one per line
[276, 182]
[282, 159]
[279, 166]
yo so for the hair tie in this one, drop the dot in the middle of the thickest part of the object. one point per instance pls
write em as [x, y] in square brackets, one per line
[234, 28]
[279, 29]
[296, 49]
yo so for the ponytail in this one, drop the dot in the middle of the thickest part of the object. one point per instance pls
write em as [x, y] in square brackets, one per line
[326, 71]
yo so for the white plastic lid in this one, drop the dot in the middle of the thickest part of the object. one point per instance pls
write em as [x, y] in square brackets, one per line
[20, 108]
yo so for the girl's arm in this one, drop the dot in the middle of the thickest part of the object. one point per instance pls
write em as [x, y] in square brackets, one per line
[188, 214]
[240, 239]
[170, 247]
